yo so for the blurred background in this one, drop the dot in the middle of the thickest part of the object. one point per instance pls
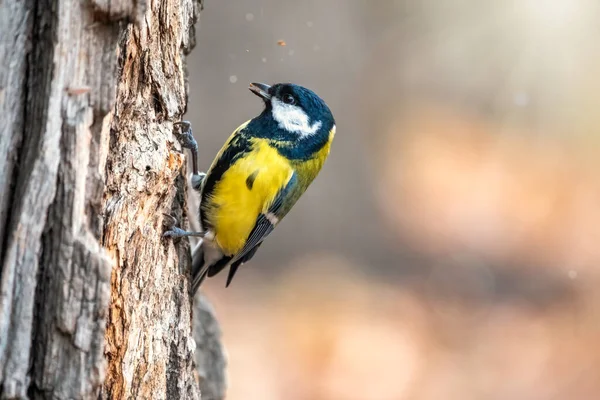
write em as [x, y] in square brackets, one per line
[450, 247]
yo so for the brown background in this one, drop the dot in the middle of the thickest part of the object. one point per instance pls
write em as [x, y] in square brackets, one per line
[449, 249]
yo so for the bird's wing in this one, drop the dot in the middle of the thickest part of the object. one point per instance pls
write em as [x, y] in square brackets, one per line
[238, 263]
[266, 221]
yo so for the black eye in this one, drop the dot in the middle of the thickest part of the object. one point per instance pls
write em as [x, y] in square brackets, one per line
[289, 99]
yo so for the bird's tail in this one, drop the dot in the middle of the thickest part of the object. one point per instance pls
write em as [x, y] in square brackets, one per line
[206, 261]
[199, 267]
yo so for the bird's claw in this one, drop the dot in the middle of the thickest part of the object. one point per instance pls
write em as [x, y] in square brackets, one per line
[175, 232]
[186, 137]
[169, 221]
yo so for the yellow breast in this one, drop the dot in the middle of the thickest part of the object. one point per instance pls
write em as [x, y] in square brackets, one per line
[246, 189]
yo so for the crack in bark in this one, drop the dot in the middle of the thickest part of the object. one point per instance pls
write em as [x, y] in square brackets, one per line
[22, 234]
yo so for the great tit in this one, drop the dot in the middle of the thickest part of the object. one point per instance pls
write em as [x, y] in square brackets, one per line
[259, 174]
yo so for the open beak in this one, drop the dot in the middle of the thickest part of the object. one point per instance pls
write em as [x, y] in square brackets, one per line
[261, 90]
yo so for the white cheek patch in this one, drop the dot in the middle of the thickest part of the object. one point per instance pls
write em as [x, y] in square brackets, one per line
[293, 119]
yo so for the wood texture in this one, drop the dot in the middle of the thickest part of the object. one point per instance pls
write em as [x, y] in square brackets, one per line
[93, 302]
[210, 355]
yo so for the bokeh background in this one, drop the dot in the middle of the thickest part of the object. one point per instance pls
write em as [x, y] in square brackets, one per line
[450, 247]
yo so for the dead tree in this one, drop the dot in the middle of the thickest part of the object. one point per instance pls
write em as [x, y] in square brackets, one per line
[93, 301]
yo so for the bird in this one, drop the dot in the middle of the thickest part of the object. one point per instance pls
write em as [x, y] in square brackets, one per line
[261, 171]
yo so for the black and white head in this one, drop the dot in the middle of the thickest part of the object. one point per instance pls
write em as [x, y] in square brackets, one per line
[297, 111]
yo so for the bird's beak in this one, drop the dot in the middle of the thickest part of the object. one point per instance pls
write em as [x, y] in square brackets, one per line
[261, 90]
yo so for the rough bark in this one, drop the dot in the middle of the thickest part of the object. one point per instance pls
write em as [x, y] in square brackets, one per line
[93, 302]
[210, 355]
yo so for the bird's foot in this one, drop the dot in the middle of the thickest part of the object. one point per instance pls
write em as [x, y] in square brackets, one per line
[186, 137]
[175, 232]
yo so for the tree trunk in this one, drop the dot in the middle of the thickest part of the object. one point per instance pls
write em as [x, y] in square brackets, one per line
[93, 302]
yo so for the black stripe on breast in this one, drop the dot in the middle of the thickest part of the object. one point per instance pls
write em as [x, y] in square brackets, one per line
[250, 180]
